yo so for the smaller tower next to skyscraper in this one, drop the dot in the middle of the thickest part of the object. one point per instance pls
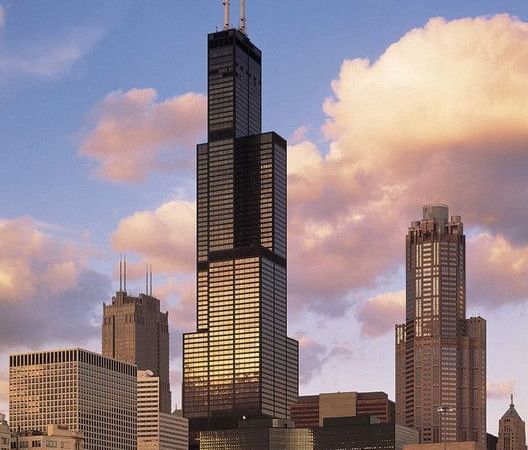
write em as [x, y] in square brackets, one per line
[137, 332]
[512, 432]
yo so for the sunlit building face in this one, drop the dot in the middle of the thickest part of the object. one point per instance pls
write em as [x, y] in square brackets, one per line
[239, 362]
[440, 355]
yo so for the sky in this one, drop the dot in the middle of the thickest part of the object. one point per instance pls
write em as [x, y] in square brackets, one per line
[387, 105]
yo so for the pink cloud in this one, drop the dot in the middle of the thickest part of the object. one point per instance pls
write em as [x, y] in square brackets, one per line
[2, 17]
[135, 134]
[378, 314]
[499, 270]
[500, 391]
[164, 238]
[441, 115]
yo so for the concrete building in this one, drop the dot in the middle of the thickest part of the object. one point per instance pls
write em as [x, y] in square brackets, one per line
[5, 434]
[447, 446]
[78, 389]
[512, 431]
[311, 410]
[137, 332]
[157, 430]
[55, 437]
[440, 355]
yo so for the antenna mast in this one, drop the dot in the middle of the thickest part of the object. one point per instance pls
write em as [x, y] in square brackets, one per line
[226, 14]
[243, 18]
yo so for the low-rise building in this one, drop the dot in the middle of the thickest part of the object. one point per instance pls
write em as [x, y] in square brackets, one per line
[56, 437]
[448, 446]
[5, 434]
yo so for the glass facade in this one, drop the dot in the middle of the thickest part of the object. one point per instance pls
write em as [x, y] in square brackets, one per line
[240, 361]
[437, 348]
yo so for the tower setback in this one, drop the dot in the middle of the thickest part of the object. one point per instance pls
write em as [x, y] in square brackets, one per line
[440, 355]
[240, 362]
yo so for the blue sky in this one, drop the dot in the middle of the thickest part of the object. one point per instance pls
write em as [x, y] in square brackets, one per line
[62, 59]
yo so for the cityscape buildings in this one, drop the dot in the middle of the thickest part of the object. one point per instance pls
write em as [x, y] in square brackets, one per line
[240, 361]
[5, 434]
[310, 410]
[137, 332]
[56, 436]
[157, 430]
[512, 432]
[470, 445]
[81, 390]
[440, 355]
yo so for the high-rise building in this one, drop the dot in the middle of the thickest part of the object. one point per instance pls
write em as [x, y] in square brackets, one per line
[5, 434]
[157, 430]
[56, 436]
[440, 355]
[240, 361]
[310, 410]
[137, 332]
[78, 389]
[512, 432]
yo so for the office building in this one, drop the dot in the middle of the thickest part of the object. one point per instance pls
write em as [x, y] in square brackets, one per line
[341, 433]
[469, 445]
[157, 430]
[491, 442]
[362, 433]
[55, 437]
[440, 355]
[512, 432]
[137, 332]
[311, 410]
[262, 434]
[5, 434]
[240, 361]
[78, 389]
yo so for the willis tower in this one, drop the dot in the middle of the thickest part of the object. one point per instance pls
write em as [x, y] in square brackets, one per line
[240, 363]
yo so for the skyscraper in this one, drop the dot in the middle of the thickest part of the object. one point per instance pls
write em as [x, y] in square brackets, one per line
[136, 331]
[78, 389]
[440, 355]
[240, 361]
[512, 431]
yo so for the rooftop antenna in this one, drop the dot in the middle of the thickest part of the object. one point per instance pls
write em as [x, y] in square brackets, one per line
[147, 280]
[120, 272]
[226, 14]
[151, 280]
[243, 18]
[124, 272]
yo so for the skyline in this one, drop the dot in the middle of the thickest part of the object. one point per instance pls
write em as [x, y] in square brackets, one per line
[70, 246]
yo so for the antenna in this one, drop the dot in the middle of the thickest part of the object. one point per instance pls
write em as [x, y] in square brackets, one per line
[124, 272]
[243, 18]
[151, 280]
[147, 280]
[226, 14]
[120, 272]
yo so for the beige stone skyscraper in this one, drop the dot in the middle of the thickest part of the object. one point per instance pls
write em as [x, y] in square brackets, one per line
[440, 355]
[512, 432]
[137, 332]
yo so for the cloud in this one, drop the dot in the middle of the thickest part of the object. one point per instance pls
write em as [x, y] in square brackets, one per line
[378, 314]
[441, 114]
[135, 134]
[500, 391]
[165, 237]
[499, 270]
[313, 356]
[48, 58]
[47, 292]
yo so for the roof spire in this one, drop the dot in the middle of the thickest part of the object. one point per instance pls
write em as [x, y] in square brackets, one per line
[511, 396]
[226, 14]
[243, 18]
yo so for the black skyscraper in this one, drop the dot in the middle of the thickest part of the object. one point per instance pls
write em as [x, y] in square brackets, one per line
[239, 362]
